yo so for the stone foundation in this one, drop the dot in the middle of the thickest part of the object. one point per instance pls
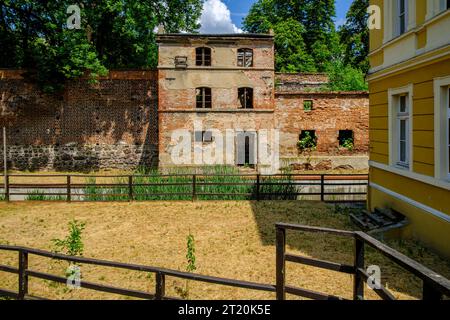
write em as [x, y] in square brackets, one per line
[82, 158]
[357, 162]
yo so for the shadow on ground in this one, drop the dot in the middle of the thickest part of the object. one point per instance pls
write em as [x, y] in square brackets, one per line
[339, 249]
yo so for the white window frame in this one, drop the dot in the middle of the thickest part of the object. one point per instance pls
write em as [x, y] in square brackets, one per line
[395, 116]
[391, 18]
[434, 7]
[398, 17]
[406, 117]
[442, 128]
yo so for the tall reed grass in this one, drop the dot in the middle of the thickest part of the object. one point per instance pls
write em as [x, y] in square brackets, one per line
[38, 195]
[211, 183]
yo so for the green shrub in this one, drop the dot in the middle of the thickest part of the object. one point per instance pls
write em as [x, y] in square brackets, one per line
[348, 144]
[71, 245]
[307, 142]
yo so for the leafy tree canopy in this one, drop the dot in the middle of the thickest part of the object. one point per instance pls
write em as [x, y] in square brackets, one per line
[113, 34]
[306, 39]
[355, 36]
[291, 55]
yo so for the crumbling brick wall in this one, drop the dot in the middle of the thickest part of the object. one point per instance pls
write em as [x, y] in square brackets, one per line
[115, 123]
[331, 112]
[112, 124]
[300, 82]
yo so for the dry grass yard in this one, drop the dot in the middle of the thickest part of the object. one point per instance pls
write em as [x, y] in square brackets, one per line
[232, 239]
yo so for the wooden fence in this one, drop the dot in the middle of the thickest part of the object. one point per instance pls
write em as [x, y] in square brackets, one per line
[434, 285]
[194, 186]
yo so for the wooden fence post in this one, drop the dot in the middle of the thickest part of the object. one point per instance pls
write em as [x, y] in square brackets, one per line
[130, 188]
[429, 293]
[358, 283]
[322, 187]
[280, 263]
[194, 186]
[69, 191]
[7, 188]
[160, 286]
[258, 177]
[23, 278]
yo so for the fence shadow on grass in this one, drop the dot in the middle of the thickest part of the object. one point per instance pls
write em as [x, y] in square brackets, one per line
[340, 249]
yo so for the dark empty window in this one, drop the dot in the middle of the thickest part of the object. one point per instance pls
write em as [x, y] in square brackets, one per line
[246, 98]
[448, 4]
[346, 139]
[307, 105]
[245, 58]
[203, 136]
[203, 57]
[307, 139]
[203, 98]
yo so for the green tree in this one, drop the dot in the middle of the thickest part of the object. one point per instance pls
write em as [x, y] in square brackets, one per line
[113, 34]
[291, 54]
[318, 21]
[345, 78]
[306, 39]
[311, 21]
[355, 36]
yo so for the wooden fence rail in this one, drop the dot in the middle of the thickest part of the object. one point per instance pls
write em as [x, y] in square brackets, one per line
[259, 187]
[435, 286]
[24, 273]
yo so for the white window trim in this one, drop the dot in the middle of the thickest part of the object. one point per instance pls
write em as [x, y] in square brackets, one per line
[392, 118]
[441, 96]
[391, 26]
[434, 7]
[397, 18]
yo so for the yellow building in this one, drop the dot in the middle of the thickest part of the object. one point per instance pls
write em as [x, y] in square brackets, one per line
[409, 85]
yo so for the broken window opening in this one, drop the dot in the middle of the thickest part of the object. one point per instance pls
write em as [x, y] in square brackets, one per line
[246, 98]
[307, 140]
[203, 98]
[245, 58]
[203, 57]
[307, 105]
[346, 139]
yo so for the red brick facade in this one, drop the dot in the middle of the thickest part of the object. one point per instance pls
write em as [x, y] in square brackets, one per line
[116, 123]
[112, 124]
[331, 113]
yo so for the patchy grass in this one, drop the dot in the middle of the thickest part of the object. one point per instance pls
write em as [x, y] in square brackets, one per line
[233, 239]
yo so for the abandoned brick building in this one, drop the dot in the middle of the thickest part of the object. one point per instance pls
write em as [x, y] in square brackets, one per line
[224, 83]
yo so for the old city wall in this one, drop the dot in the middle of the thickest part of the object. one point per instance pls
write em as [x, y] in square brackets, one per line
[330, 113]
[111, 124]
[114, 124]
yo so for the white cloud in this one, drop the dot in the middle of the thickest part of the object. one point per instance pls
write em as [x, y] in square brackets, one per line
[216, 18]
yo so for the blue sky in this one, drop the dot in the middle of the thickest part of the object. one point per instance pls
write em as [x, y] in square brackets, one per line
[224, 16]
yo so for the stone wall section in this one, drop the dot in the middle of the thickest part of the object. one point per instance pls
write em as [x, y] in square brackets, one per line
[116, 123]
[330, 113]
[111, 124]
